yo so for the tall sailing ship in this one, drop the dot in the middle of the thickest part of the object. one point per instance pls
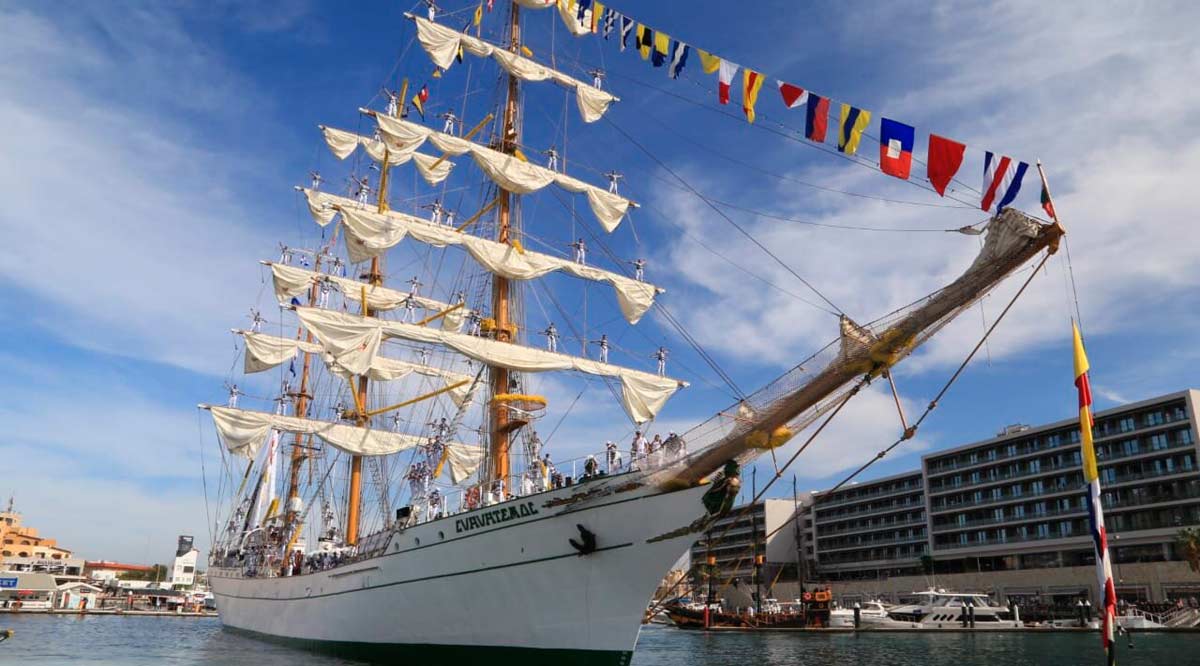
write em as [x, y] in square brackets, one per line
[390, 505]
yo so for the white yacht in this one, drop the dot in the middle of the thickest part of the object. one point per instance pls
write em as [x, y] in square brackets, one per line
[939, 609]
[869, 612]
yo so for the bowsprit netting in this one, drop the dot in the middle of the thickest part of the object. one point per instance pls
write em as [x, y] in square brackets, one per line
[792, 402]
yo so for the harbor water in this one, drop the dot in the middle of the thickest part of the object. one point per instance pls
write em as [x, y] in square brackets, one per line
[115, 640]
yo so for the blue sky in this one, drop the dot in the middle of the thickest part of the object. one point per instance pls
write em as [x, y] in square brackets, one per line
[150, 150]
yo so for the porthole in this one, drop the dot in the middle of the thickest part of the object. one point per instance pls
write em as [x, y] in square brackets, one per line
[441, 535]
[417, 541]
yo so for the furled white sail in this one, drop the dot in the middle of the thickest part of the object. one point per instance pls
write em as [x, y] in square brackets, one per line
[268, 491]
[354, 341]
[243, 431]
[507, 171]
[290, 281]
[370, 234]
[443, 43]
[342, 143]
[264, 352]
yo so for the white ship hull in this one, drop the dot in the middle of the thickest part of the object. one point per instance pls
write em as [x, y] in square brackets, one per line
[471, 588]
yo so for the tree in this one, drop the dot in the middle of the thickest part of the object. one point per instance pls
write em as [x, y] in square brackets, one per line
[1187, 544]
[157, 572]
[927, 563]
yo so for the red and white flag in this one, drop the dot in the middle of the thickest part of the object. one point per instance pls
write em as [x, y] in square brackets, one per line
[793, 96]
[725, 73]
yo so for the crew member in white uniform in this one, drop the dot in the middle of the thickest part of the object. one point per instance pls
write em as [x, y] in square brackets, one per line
[580, 248]
[603, 344]
[451, 123]
[636, 447]
[639, 269]
[551, 159]
[364, 190]
[551, 334]
[661, 357]
[613, 177]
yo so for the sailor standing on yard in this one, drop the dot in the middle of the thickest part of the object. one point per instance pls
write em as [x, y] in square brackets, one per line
[393, 102]
[410, 310]
[661, 357]
[316, 179]
[551, 158]
[613, 177]
[603, 344]
[451, 124]
[551, 334]
[363, 194]
[580, 248]
[436, 209]
[639, 269]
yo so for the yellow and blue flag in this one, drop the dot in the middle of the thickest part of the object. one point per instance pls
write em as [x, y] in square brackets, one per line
[854, 122]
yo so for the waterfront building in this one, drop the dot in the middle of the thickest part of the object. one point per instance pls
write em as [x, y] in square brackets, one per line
[27, 591]
[183, 570]
[878, 525]
[1008, 514]
[17, 540]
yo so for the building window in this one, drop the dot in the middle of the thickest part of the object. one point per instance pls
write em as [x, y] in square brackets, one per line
[1043, 531]
[1185, 436]
[1018, 511]
[996, 494]
[1125, 424]
[1154, 418]
[1035, 466]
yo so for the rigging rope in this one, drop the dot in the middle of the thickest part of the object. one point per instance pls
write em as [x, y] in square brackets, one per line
[836, 310]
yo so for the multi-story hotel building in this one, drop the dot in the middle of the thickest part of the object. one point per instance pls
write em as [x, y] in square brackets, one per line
[996, 515]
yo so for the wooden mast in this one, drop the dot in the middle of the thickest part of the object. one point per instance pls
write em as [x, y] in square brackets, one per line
[362, 414]
[501, 298]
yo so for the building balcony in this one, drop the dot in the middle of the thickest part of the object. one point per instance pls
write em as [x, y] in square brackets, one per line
[950, 468]
[873, 544]
[915, 489]
[907, 506]
[881, 527]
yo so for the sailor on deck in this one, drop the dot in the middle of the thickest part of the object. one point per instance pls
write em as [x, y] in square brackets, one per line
[548, 472]
[661, 356]
[639, 269]
[451, 123]
[580, 248]
[613, 456]
[435, 503]
[590, 467]
[636, 449]
[551, 334]
[613, 177]
[603, 344]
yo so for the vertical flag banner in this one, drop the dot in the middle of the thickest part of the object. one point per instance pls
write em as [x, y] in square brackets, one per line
[895, 148]
[1001, 177]
[793, 96]
[1091, 476]
[419, 99]
[662, 48]
[725, 79]
[679, 55]
[626, 30]
[610, 21]
[1047, 202]
[751, 84]
[597, 12]
[478, 15]
[816, 118]
[708, 62]
[854, 122]
[943, 161]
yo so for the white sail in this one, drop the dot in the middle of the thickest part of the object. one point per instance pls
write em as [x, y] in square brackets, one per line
[264, 352]
[443, 43]
[268, 491]
[290, 281]
[507, 171]
[370, 234]
[244, 430]
[342, 143]
[354, 341]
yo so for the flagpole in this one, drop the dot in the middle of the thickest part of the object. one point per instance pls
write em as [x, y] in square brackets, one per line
[1054, 216]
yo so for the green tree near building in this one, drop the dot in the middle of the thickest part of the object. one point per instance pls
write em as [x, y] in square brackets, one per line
[1187, 544]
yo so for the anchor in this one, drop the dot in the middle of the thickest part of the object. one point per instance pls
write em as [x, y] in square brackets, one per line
[588, 538]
